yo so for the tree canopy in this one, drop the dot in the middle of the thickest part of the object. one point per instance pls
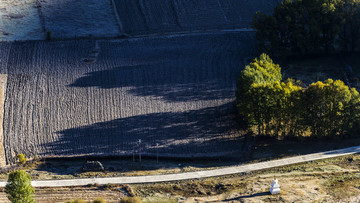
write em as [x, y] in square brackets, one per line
[19, 188]
[282, 108]
[308, 27]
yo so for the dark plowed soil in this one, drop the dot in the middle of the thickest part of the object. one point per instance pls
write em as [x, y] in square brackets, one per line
[88, 97]
[161, 16]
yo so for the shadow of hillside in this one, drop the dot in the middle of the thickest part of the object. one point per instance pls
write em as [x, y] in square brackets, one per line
[206, 131]
[165, 82]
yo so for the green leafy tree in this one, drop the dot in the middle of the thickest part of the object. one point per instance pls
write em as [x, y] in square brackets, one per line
[261, 70]
[263, 99]
[333, 109]
[352, 114]
[270, 107]
[18, 187]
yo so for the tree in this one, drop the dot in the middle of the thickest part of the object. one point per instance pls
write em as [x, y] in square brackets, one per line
[271, 106]
[263, 99]
[19, 188]
[261, 70]
[308, 27]
[350, 29]
[325, 107]
[352, 114]
[275, 108]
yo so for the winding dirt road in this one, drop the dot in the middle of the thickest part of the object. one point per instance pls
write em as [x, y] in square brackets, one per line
[197, 174]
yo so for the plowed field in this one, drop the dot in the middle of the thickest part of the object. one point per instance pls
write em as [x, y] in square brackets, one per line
[71, 98]
[161, 16]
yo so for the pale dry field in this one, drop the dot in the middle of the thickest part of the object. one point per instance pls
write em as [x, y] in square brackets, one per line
[20, 20]
[86, 97]
[81, 18]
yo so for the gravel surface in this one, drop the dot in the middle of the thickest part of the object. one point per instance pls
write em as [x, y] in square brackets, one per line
[19, 20]
[100, 97]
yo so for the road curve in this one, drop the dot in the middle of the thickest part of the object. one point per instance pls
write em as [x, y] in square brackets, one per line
[194, 175]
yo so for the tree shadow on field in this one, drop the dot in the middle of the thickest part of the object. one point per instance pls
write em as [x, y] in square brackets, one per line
[166, 82]
[206, 132]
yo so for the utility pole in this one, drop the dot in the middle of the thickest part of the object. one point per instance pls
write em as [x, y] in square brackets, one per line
[157, 152]
[140, 150]
[133, 152]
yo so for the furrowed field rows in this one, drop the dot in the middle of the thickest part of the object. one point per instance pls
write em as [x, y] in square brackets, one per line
[72, 98]
[4, 56]
[160, 16]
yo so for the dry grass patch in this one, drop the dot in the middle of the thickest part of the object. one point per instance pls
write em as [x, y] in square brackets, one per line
[192, 188]
[342, 186]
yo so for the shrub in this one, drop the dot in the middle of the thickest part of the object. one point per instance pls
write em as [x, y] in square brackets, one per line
[77, 201]
[130, 200]
[19, 188]
[99, 200]
[21, 158]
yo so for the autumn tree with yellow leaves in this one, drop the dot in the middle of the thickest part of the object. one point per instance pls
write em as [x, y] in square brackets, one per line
[284, 109]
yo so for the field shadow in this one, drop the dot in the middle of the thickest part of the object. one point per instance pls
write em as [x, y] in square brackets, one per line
[267, 148]
[205, 135]
[164, 81]
[198, 133]
[247, 196]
